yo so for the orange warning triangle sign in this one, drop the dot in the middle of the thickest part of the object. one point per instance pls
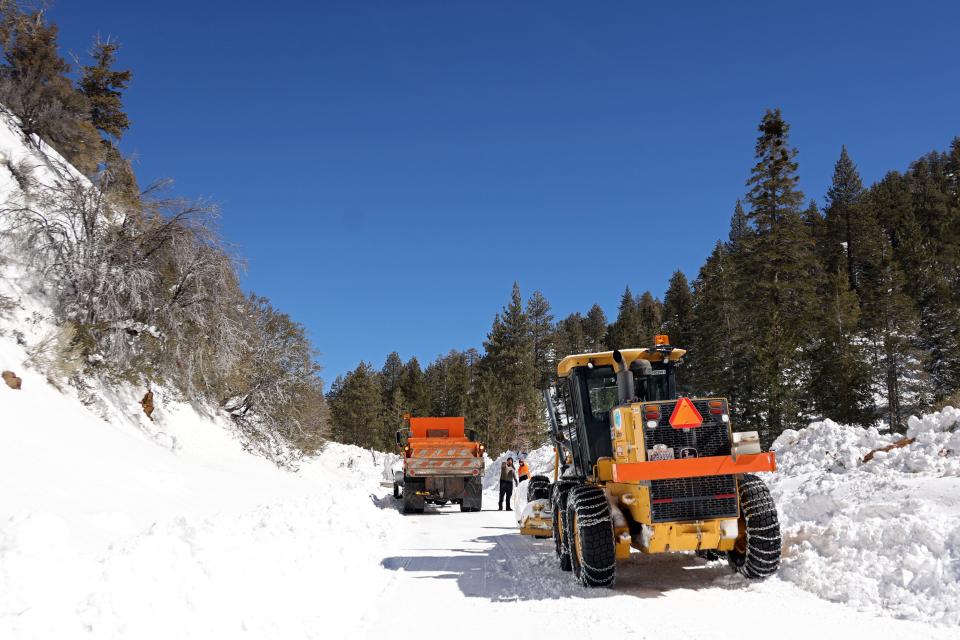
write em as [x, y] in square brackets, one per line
[685, 415]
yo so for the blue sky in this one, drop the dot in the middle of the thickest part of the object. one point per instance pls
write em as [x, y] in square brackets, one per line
[388, 169]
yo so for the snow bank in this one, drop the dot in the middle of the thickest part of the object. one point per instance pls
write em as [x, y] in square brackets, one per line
[879, 535]
[540, 461]
[111, 531]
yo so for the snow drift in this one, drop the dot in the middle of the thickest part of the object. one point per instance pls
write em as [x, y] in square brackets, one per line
[882, 535]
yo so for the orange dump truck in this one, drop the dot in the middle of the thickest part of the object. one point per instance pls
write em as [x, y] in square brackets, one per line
[442, 462]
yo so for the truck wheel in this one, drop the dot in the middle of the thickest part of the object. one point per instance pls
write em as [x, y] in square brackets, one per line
[560, 490]
[756, 554]
[472, 495]
[592, 550]
[413, 503]
[538, 488]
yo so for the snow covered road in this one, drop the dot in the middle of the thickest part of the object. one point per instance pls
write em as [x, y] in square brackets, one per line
[473, 574]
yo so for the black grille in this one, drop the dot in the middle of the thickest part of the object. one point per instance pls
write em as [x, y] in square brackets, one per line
[692, 498]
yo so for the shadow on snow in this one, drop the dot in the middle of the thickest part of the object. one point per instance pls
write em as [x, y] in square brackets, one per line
[513, 567]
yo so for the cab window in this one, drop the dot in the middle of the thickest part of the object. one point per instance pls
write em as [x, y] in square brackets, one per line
[601, 392]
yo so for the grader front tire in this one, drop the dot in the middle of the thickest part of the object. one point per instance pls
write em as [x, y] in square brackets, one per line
[590, 527]
[757, 552]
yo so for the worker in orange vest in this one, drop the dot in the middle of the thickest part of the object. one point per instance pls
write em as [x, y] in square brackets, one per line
[523, 471]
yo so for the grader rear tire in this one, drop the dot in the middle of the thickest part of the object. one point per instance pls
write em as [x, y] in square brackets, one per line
[757, 552]
[560, 491]
[592, 549]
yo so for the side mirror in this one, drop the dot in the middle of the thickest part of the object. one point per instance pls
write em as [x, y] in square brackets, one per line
[472, 435]
[399, 437]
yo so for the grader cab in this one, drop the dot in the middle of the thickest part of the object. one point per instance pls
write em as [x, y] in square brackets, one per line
[643, 468]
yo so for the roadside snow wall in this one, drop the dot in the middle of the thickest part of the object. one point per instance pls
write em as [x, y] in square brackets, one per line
[878, 535]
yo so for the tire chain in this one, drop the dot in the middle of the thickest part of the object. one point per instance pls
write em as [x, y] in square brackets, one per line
[595, 523]
[561, 546]
[763, 546]
[538, 488]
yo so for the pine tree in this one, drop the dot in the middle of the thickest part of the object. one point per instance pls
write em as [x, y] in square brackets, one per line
[356, 408]
[719, 342]
[102, 86]
[840, 380]
[678, 310]
[542, 339]
[413, 384]
[739, 225]
[395, 404]
[570, 336]
[394, 410]
[595, 330]
[507, 407]
[842, 213]
[776, 286]
[651, 318]
[627, 329]
[817, 225]
[458, 381]
[931, 233]
[36, 87]
[889, 316]
[391, 373]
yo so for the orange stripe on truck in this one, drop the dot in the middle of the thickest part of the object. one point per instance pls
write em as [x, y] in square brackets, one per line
[694, 467]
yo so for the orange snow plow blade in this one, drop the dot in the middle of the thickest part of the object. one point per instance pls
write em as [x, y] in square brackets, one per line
[694, 467]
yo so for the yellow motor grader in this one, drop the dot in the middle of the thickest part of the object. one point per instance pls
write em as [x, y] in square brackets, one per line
[641, 467]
